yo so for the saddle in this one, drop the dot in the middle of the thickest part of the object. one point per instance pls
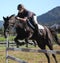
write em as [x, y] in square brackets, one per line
[42, 32]
[29, 29]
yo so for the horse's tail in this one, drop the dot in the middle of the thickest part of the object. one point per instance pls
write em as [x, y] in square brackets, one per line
[55, 37]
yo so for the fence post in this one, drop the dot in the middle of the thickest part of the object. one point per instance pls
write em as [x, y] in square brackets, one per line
[7, 45]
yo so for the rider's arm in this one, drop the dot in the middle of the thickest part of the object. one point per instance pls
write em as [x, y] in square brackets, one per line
[22, 19]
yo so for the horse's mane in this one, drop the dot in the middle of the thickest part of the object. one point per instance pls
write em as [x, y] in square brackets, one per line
[12, 15]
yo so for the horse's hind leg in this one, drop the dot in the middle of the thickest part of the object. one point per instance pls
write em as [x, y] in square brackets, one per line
[50, 45]
[51, 48]
[55, 58]
[46, 54]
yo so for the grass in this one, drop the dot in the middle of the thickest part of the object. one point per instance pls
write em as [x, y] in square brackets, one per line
[2, 39]
[11, 38]
[29, 57]
[58, 35]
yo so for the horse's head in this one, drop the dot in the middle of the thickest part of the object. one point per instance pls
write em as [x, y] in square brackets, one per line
[8, 23]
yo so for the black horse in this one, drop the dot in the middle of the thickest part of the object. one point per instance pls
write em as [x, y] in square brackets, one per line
[46, 38]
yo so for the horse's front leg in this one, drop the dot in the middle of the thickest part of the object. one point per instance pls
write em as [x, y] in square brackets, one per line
[26, 41]
[18, 43]
[34, 43]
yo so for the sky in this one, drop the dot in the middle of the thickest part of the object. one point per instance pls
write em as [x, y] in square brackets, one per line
[39, 7]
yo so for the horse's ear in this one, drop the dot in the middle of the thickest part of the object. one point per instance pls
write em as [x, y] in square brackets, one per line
[7, 17]
[4, 18]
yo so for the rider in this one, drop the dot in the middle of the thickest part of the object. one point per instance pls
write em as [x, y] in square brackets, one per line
[27, 16]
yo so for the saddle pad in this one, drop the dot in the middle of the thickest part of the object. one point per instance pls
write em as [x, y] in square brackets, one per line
[40, 26]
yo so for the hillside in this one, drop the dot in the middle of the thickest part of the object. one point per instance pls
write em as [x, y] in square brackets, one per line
[51, 17]
[1, 23]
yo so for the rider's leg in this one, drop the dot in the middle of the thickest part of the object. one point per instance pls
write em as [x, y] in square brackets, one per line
[39, 30]
[36, 23]
[33, 24]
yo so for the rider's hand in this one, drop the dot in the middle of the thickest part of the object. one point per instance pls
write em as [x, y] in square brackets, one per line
[18, 18]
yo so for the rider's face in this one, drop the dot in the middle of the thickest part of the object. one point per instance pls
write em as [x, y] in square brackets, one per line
[20, 10]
